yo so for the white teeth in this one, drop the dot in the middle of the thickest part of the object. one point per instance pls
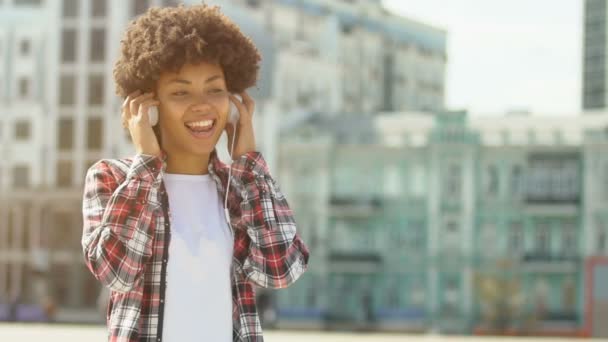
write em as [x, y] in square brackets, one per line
[204, 123]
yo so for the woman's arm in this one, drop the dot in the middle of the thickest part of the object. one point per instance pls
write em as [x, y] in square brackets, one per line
[276, 256]
[118, 221]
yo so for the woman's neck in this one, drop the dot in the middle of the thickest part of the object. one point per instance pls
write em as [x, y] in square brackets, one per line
[187, 164]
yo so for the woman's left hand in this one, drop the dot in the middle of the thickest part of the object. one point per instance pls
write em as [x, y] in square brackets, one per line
[245, 139]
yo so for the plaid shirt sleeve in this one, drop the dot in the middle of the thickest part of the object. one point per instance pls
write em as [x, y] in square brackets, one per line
[276, 256]
[118, 220]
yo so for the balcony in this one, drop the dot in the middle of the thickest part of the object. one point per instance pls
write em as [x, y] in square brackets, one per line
[355, 261]
[548, 263]
[351, 206]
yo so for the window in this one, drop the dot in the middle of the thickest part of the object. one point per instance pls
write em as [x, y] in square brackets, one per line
[71, 8]
[24, 47]
[96, 94]
[67, 90]
[24, 88]
[28, 2]
[65, 134]
[451, 234]
[516, 238]
[64, 173]
[21, 176]
[140, 6]
[569, 241]
[94, 133]
[98, 44]
[487, 240]
[60, 279]
[451, 294]
[452, 181]
[98, 8]
[68, 45]
[605, 181]
[492, 180]
[517, 181]
[543, 239]
[392, 181]
[600, 238]
[22, 130]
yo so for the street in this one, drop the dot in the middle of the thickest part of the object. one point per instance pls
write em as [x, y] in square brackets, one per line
[77, 333]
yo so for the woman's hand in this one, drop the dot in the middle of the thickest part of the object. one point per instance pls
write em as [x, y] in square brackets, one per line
[245, 139]
[135, 118]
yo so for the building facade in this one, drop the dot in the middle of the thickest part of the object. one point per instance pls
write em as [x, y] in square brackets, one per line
[449, 223]
[594, 91]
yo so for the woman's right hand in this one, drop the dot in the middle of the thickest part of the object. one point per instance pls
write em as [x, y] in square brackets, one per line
[135, 118]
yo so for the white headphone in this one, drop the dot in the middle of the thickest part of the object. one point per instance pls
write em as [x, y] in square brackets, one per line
[233, 118]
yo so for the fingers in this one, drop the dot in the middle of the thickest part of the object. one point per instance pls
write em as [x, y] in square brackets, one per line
[131, 105]
[143, 109]
[134, 106]
[248, 101]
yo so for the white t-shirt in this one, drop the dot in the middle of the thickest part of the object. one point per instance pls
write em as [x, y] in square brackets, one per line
[198, 299]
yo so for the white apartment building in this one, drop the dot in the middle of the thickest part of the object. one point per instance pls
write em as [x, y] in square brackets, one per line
[59, 114]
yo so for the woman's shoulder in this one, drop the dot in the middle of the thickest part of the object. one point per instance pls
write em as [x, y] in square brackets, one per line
[115, 167]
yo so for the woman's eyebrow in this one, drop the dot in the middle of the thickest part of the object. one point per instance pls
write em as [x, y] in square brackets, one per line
[210, 79]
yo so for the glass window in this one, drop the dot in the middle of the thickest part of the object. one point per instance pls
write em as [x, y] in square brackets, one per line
[492, 180]
[24, 47]
[21, 176]
[68, 45]
[453, 181]
[517, 181]
[24, 88]
[22, 130]
[64, 173]
[98, 8]
[487, 240]
[65, 134]
[516, 238]
[94, 133]
[96, 89]
[543, 239]
[28, 2]
[451, 234]
[569, 241]
[140, 6]
[600, 237]
[98, 44]
[67, 90]
[71, 8]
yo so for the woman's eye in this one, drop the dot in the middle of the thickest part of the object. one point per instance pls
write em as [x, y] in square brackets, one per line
[217, 90]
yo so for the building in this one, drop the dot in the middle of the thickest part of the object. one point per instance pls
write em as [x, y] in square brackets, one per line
[59, 114]
[449, 223]
[594, 77]
[352, 56]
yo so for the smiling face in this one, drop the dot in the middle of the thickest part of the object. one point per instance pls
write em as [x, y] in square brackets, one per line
[193, 108]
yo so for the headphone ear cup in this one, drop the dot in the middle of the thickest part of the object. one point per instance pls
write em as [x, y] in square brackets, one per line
[153, 115]
[234, 114]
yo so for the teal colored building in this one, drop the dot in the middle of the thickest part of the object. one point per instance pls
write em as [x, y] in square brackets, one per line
[447, 223]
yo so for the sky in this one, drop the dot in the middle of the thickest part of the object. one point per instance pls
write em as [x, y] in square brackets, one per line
[507, 54]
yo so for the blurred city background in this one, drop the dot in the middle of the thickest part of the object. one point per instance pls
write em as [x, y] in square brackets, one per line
[446, 160]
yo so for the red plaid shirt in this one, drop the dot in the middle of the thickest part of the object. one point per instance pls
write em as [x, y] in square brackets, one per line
[127, 230]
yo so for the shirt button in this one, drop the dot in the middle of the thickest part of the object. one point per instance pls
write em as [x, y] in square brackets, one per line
[143, 202]
[162, 300]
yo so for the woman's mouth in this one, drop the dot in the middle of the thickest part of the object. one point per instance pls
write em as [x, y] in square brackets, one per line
[201, 129]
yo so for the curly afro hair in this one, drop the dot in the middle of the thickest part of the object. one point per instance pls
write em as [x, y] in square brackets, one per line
[164, 39]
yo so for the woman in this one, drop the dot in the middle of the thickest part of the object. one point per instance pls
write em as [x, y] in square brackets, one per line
[181, 260]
